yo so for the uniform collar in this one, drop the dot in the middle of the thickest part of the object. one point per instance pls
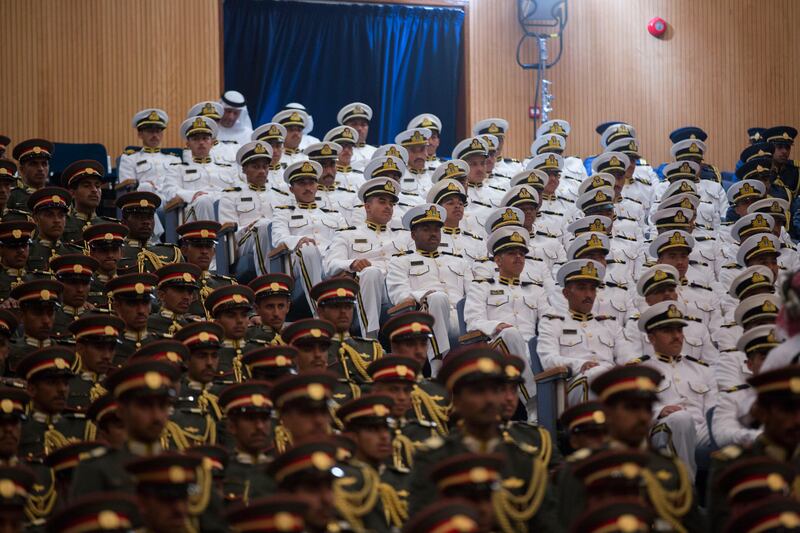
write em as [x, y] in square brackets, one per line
[416, 172]
[473, 185]
[374, 226]
[256, 188]
[451, 231]
[36, 343]
[509, 281]
[201, 160]
[276, 166]
[343, 168]
[360, 145]
[143, 449]
[309, 205]
[73, 311]
[44, 418]
[89, 376]
[290, 151]
[432, 254]
[250, 459]
[151, 150]
[549, 197]
[667, 359]
[197, 386]
[327, 188]
[102, 278]
[232, 343]
[580, 317]
[77, 214]
[166, 313]
[431, 158]
[133, 243]
[15, 272]
[135, 336]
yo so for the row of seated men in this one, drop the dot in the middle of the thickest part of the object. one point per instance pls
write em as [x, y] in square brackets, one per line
[284, 454]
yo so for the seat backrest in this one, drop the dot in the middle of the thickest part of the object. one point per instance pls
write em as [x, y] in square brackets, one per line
[66, 153]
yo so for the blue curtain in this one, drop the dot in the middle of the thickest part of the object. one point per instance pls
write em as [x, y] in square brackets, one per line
[400, 60]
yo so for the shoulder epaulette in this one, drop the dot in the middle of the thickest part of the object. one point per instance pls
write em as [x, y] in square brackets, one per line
[568, 200]
[731, 265]
[223, 164]
[696, 360]
[483, 280]
[728, 453]
[552, 317]
[615, 285]
[279, 191]
[398, 254]
[601, 318]
[232, 189]
[634, 200]
[642, 181]
[625, 238]
[579, 455]
[634, 316]
[468, 234]
[179, 163]
[692, 318]
[729, 325]
[348, 228]
[451, 254]
[393, 229]
[641, 162]
[510, 160]
[698, 286]
[326, 210]
[638, 360]
[289, 207]
[529, 283]
[649, 264]
[226, 278]
[497, 188]
[736, 388]
[357, 171]
[130, 151]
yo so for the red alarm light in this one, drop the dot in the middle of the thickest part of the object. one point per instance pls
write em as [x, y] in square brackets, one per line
[657, 27]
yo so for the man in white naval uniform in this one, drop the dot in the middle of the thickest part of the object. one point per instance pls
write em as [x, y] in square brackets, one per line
[309, 125]
[504, 166]
[331, 194]
[659, 284]
[357, 115]
[693, 149]
[733, 422]
[450, 194]
[418, 179]
[555, 212]
[688, 389]
[304, 227]
[505, 308]
[434, 280]
[574, 171]
[293, 120]
[223, 152]
[636, 186]
[345, 136]
[433, 123]
[201, 181]
[366, 250]
[274, 134]
[147, 166]
[579, 340]
[570, 179]
[480, 199]
[249, 206]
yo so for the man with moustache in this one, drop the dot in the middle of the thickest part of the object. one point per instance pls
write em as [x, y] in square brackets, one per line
[144, 391]
[75, 272]
[84, 180]
[198, 241]
[692, 390]
[434, 124]
[49, 206]
[415, 141]
[331, 194]
[302, 403]
[357, 115]
[138, 214]
[131, 297]
[15, 239]
[395, 376]
[312, 339]
[449, 193]
[250, 206]
[426, 277]
[293, 121]
[37, 301]
[409, 335]
[104, 243]
[248, 411]
[273, 293]
[348, 356]
[147, 166]
[96, 338]
[365, 251]
[49, 425]
[346, 137]
[628, 394]
[8, 179]
[33, 156]
[177, 284]
[475, 375]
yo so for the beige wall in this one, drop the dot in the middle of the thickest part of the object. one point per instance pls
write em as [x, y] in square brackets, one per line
[77, 70]
[725, 65]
